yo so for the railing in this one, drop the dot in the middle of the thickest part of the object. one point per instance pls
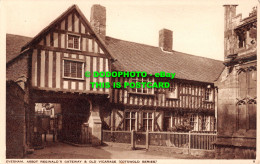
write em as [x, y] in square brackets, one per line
[202, 141]
[117, 136]
[170, 139]
[190, 140]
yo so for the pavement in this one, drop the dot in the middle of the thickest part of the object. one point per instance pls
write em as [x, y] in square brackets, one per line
[59, 150]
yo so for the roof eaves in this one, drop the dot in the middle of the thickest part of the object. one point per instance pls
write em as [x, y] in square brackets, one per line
[57, 20]
[15, 58]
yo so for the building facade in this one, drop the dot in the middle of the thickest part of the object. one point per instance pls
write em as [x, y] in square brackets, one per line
[237, 96]
[54, 62]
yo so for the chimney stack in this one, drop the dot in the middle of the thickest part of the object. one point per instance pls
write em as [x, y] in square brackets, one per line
[229, 34]
[230, 12]
[98, 20]
[165, 39]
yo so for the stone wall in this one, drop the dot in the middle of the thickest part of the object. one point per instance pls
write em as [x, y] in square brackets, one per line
[231, 152]
[227, 94]
[236, 86]
[232, 142]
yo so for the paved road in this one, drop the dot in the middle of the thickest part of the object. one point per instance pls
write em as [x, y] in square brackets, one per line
[60, 150]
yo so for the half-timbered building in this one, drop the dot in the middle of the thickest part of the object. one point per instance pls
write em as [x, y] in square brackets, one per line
[54, 61]
[189, 102]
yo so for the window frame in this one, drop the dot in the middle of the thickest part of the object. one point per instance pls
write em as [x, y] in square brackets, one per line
[67, 41]
[213, 123]
[141, 79]
[245, 75]
[176, 91]
[130, 120]
[209, 92]
[147, 120]
[175, 119]
[204, 123]
[194, 123]
[69, 77]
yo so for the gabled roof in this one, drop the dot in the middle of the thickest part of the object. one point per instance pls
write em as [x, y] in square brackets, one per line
[54, 23]
[14, 44]
[131, 56]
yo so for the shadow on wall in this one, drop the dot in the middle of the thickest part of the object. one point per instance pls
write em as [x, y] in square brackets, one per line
[15, 121]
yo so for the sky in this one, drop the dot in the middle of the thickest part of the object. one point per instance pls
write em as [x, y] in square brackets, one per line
[197, 25]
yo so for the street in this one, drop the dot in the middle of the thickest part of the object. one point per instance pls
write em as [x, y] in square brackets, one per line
[58, 150]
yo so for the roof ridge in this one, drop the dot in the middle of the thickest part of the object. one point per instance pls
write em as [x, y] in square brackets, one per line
[199, 56]
[19, 35]
[132, 42]
[174, 51]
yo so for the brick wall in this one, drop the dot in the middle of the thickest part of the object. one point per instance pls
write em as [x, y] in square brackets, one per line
[17, 68]
[15, 121]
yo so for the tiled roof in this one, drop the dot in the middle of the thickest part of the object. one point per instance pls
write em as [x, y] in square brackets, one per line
[131, 56]
[54, 23]
[14, 43]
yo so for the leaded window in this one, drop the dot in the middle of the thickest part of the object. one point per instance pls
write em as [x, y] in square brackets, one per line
[130, 121]
[193, 121]
[208, 94]
[148, 121]
[73, 42]
[73, 69]
[142, 89]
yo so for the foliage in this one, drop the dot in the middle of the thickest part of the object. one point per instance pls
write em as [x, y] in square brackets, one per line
[47, 106]
[181, 128]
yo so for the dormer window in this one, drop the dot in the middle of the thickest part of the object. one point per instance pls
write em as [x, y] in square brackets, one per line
[73, 42]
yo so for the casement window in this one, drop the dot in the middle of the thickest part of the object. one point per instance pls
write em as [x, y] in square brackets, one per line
[73, 41]
[73, 69]
[213, 124]
[142, 89]
[148, 121]
[208, 94]
[130, 121]
[246, 105]
[204, 123]
[172, 92]
[193, 121]
[171, 120]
